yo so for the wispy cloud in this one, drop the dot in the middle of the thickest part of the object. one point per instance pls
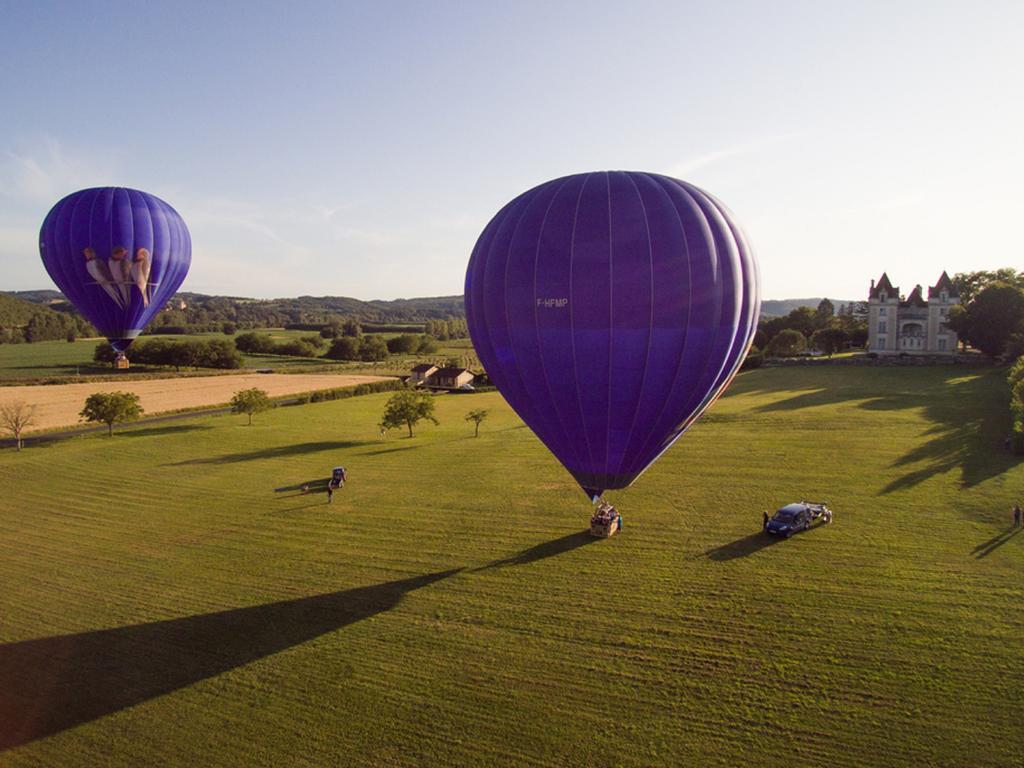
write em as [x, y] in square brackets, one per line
[48, 171]
[696, 162]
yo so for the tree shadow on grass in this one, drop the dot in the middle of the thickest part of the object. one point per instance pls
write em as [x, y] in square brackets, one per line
[543, 551]
[748, 545]
[168, 430]
[278, 452]
[967, 409]
[987, 548]
[55, 683]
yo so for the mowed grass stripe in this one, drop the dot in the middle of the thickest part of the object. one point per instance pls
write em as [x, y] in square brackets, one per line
[881, 640]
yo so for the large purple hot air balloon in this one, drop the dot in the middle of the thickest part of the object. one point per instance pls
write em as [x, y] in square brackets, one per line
[118, 255]
[611, 309]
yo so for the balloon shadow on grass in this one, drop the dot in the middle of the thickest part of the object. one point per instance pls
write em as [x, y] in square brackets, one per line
[54, 683]
[543, 551]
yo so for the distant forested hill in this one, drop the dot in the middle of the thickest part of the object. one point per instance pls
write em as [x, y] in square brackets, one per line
[200, 310]
[782, 307]
[22, 320]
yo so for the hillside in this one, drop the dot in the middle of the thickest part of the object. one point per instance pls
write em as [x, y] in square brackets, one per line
[203, 308]
[781, 307]
[22, 320]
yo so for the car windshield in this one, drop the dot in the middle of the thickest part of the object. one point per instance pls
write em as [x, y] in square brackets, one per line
[785, 517]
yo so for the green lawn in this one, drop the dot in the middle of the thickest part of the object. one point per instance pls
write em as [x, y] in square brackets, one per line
[170, 598]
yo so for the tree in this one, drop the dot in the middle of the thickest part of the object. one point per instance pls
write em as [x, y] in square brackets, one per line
[351, 327]
[104, 353]
[825, 312]
[250, 401]
[16, 417]
[991, 319]
[405, 344]
[476, 417]
[111, 407]
[970, 284]
[787, 343]
[407, 408]
[344, 348]
[372, 348]
[828, 340]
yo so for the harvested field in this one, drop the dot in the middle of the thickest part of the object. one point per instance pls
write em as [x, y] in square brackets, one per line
[58, 405]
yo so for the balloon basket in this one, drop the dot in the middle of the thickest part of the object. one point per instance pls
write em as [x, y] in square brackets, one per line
[605, 522]
[121, 363]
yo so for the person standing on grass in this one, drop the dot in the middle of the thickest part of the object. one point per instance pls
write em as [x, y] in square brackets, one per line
[1016, 516]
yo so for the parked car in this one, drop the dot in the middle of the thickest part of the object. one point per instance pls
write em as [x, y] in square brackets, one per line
[798, 517]
[790, 519]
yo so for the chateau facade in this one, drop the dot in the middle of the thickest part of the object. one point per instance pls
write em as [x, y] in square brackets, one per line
[911, 325]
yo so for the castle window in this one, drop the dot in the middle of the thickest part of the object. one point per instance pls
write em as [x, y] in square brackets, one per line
[942, 345]
[881, 326]
[942, 310]
[942, 296]
[881, 342]
[881, 310]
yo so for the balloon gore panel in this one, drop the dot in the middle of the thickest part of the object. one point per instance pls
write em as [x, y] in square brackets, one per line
[611, 309]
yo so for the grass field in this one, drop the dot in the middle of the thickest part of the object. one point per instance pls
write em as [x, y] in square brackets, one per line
[171, 598]
[59, 359]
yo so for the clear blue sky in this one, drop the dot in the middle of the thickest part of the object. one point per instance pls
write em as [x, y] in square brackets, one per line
[359, 148]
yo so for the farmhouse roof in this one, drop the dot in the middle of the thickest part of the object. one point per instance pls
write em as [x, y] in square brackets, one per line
[915, 299]
[450, 371]
[423, 368]
[885, 285]
[944, 284]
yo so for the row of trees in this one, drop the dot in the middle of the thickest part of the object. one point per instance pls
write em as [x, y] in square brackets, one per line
[451, 328]
[187, 353]
[822, 328]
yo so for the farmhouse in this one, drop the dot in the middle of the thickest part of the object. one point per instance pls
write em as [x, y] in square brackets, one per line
[421, 373]
[440, 378]
[912, 324]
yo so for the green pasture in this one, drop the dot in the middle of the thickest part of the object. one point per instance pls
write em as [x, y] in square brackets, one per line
[170, 596]
[61, 359]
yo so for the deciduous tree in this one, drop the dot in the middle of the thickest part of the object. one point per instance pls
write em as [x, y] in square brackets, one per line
[250, 402]
[16, 417]
[407, 408]
[477, 416]
[111, 408]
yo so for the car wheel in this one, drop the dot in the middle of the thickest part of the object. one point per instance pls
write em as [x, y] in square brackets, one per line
[788, 534]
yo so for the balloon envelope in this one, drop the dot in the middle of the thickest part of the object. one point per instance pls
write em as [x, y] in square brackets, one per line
[611, 309]
[118, 255]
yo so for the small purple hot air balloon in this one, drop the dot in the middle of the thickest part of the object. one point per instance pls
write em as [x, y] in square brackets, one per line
[611, 309]
[118, 255]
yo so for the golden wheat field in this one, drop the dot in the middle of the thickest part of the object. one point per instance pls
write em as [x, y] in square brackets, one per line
[58, 405]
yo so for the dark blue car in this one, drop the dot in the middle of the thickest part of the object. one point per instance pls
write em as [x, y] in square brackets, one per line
[790, 519]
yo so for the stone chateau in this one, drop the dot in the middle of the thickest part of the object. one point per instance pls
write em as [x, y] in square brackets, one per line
[911, 325]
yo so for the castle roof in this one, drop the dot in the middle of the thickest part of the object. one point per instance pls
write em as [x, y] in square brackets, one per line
[884, 285]
[915, 299]
[944, 284]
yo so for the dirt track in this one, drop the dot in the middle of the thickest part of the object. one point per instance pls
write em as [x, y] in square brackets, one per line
[57, 405]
